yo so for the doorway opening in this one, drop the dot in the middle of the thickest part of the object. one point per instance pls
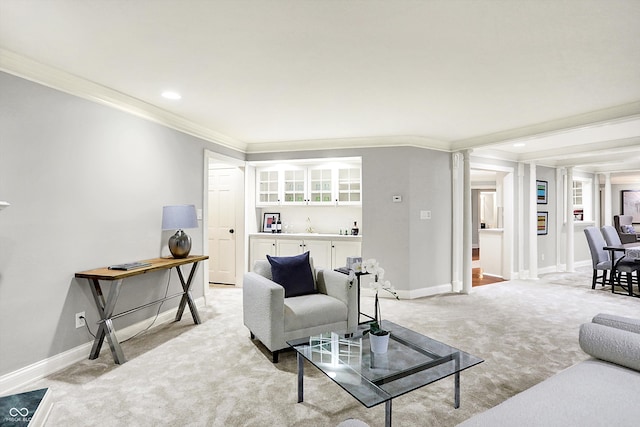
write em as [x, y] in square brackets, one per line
[492, 223]
[224, 219]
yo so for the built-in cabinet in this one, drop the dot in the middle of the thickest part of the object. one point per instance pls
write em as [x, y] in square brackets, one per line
[321, 185]
[327, 251]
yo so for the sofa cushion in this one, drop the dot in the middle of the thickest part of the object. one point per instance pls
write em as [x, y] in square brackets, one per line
[626, 228]
[294, 274]
[618, 322]
[307, 311]
[591, 393]
[611, 344]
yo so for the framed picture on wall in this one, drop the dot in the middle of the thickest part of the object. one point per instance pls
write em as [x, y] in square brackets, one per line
[542, 192]
[631, 204]
[543, 222]
[269, 221]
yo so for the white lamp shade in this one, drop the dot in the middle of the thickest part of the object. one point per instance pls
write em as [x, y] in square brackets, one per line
[178, 217]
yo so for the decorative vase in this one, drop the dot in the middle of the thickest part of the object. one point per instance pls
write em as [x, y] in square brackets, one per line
[180, 244]
[379, 343]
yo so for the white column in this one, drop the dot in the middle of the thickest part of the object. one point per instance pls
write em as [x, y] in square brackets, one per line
[608, 208]
[457, 162]
[521, 216]
[596, 201]
[467, 221]
[559, 197]
[570, 222]
[533, 223]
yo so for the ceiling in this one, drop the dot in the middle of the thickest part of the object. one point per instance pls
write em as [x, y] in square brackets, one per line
[562, 77]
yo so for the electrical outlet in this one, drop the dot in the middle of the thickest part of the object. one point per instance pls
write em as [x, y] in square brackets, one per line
[425, 214]
[80, 319]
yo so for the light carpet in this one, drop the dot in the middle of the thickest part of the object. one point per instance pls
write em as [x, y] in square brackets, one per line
[213, 375]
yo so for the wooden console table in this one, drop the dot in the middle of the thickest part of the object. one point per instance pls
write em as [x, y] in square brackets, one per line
[106, 307]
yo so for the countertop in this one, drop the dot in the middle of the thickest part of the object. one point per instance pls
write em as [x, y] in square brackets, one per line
[326, 236]
[490, 230]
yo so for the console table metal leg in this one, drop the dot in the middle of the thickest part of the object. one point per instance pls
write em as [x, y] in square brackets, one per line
[187, 298]
[105, 329]
[300, 378]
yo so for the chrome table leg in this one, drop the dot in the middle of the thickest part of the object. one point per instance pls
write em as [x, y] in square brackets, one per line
[387, 413]
[187, 298]
[300, 378]
[105, 311]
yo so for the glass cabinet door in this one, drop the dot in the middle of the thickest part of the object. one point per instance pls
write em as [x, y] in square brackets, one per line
[295, 186]
[320, 186]
[268, 188]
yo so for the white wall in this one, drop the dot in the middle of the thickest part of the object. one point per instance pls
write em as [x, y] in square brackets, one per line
[324, 219]
[86, 185]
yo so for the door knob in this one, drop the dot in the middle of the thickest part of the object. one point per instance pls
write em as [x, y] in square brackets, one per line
[231, 230]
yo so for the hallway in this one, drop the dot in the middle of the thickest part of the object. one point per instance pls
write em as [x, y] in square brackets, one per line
[477, 278]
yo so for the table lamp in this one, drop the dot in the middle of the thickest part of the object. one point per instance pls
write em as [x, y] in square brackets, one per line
[177, 217]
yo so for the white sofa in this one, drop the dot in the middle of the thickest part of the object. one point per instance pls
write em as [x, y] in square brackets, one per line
[274, 319]
[601, 391]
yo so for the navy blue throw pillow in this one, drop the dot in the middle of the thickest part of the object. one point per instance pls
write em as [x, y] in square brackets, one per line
[293, 273]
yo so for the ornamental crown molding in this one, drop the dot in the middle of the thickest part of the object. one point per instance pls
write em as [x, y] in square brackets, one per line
[29, 69]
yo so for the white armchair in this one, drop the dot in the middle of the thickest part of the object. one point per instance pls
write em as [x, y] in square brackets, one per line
[274, 319]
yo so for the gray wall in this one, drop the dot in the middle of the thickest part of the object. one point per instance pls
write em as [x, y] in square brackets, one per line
[415, 253]
[86, 185]
[616, 197]
[547, 243]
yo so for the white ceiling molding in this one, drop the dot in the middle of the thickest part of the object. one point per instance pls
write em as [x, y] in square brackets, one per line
[568, 124]
[627, 147]
[29, 69]
[347, 143]
[624, 178]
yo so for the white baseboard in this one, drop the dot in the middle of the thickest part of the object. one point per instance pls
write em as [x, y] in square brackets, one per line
[16, 379]
[411, 294]
[429, 291]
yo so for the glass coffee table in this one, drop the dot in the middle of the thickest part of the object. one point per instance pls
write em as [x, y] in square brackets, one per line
[412, 361]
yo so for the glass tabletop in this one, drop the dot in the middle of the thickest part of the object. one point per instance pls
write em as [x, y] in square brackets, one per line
[412, 361]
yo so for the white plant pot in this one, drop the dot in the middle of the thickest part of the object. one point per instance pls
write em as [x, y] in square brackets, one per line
[379, 343]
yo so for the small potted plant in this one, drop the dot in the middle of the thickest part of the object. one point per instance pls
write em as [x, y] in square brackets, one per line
[378, 337]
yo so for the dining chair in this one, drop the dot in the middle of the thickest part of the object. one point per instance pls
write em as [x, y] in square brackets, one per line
[625, 265]
[600, 259]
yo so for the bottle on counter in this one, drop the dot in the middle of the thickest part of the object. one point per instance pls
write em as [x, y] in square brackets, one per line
[273, 224]
[279, 226]
[355, 230]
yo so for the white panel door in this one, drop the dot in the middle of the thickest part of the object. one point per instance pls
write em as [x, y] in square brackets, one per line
[223, 186]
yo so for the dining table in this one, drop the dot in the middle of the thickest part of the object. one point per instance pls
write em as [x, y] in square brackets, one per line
[630, 252]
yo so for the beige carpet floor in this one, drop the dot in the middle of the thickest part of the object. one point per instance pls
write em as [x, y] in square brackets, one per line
[213, 375]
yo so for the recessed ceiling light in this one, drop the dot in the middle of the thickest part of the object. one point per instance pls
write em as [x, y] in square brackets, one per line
[171, 95]
[519, 144]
